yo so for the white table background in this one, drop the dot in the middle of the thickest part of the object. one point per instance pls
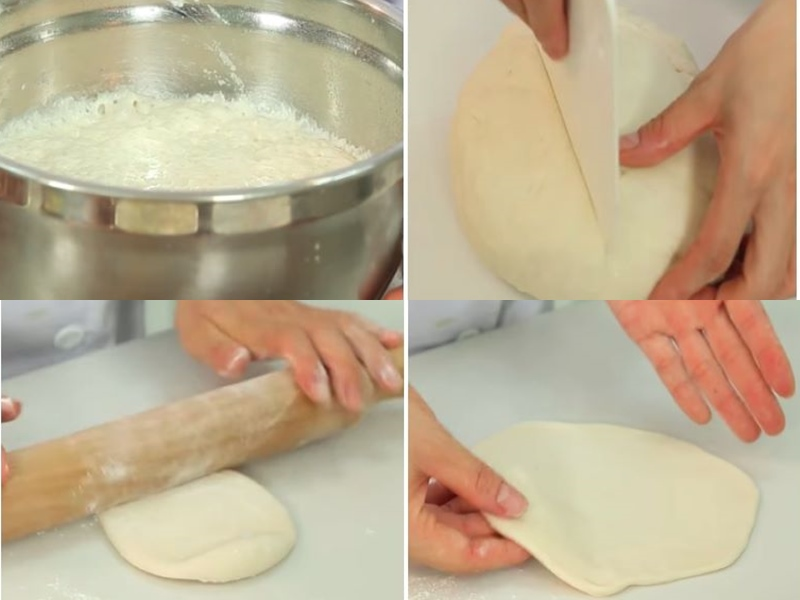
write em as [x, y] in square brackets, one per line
[577, 365]
[345, 493]
[446, 39]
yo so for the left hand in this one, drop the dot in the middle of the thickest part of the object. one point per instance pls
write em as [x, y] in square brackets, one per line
[747, 98]
[325, 348]
[706, 350]
[446, 530]
[10, 411]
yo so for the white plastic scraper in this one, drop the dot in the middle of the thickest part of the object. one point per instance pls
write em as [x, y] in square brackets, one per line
[585, 87]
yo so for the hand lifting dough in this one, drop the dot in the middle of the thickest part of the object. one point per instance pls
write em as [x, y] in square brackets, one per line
[611, 507]
[218, 528]
[520, 195]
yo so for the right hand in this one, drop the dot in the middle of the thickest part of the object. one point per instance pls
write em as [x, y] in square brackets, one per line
[324, 347]
[446, 529]
[548, 20]
[11, 410]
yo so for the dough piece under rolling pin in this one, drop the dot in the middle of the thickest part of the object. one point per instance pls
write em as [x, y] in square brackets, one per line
[219, 528]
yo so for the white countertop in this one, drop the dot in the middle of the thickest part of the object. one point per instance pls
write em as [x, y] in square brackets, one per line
[446, 40]
[345, 493]
[577, 365]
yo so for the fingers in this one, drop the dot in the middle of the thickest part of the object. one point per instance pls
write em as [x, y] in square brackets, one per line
[735, 359]
[342, 365]
[447, 548]
[671, 131]
[548, 19]
[10, 408]
[207, 343]
[709, 376]
[10, 411]
[310, 374]
[717, 242]
[471, 524]
[374, 357]
[389, 338]
[477, 483]
[753, 325]
[670, 368]
[395, 294]
[769, 251]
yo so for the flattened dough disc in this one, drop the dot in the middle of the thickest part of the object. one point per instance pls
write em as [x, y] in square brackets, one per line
[612, 507]
[217, 528]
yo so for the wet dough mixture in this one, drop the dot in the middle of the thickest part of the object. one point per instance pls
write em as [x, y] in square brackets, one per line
[201, 142]
[611, 507]
[218, 528]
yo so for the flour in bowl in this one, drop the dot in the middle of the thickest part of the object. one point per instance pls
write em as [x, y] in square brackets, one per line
[190, 143]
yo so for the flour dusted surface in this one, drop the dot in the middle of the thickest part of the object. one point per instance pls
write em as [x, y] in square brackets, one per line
[190, 143]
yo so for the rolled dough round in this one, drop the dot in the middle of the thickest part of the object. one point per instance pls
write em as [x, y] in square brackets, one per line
[218, 528]
[611, 507]
[519, 192]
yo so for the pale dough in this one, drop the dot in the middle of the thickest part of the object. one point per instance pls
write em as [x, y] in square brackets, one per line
[519, 193]
[612, 507]
[218, 528]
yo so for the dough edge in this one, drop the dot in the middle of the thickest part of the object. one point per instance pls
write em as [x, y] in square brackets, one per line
[507, 528]
[188, 568]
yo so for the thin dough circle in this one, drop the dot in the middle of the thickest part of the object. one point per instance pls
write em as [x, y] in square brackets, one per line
[611, 507]
[218, 528]
[519, 194]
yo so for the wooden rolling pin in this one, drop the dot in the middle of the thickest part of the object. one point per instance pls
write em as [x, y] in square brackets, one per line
[63, 480]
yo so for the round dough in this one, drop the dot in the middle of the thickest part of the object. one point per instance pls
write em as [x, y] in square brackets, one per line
[612, 507]
[218, 528]
[520, 195]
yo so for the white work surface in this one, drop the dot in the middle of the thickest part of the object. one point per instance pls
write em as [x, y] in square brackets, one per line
[577, 365]
[447, 38]
[345, 493]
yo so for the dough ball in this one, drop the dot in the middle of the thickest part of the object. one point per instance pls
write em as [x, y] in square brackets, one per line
[612, 507]
[519, 192]
[218, 528]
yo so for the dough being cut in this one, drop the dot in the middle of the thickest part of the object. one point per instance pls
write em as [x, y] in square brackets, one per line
[218, 528]
[612, 507]
[520, 196]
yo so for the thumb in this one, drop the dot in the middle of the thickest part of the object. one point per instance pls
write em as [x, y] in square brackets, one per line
[670, 132]
[465, 475]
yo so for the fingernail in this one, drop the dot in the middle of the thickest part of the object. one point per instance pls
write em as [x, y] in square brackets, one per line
[512, 501]
[236, 363]
[390, 377]
[321, 386]
[629, 141]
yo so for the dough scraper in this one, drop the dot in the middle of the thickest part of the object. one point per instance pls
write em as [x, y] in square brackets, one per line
[585, 85]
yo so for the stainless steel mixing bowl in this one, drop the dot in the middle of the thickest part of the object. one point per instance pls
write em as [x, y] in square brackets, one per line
[333, 236]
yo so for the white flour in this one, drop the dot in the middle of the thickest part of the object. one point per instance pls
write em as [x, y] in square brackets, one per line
[200, 142]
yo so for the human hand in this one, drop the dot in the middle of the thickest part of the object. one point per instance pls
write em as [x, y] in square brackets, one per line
[548, 20]
[706, 350]
[325, 348]
[446, 531]
[10, 411]
[747, 98]
[395, 294]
